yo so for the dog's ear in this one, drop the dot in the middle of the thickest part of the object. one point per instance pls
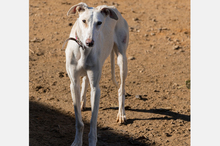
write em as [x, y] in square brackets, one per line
[108, 11]
[80, 7]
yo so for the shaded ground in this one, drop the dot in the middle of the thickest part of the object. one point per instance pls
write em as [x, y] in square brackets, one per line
[158, 68]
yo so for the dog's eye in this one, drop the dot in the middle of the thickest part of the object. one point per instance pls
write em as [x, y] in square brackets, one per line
[84, 21]
[99, 23]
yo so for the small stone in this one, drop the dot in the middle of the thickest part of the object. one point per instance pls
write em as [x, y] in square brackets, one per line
[181, 50]
[168, 108]
[175, 84]
[138, 30]
[131, 28]
[138, 97]
[61, 74]
[176, 40]
[168, 135]
[176, 47]
[131, 58]
[156, 91]
[159, 29]
[152, 34]
[146, 35]
[127, 107]
[135, 19]
[154, 20]
[54, 83]
[127, 94]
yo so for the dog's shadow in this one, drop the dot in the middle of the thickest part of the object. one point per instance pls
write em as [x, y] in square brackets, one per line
[172, 115]
[48, 126]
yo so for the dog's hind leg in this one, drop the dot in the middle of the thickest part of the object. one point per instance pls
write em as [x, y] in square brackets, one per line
[122, 63]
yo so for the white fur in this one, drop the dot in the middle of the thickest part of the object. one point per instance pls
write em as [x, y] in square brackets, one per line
[110, 37]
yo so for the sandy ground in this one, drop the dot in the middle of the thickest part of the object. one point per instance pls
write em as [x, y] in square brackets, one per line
[158, 68]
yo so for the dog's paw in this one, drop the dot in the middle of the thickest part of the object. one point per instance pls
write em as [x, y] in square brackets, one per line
[121, 118]
[77, 142]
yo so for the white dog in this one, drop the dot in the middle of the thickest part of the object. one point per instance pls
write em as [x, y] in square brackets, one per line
[97, 33]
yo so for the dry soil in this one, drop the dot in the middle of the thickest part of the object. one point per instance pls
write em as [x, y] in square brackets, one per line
[158, 68]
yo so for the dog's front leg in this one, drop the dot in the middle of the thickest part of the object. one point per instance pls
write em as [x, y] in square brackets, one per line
[94, 77]
[75, 92]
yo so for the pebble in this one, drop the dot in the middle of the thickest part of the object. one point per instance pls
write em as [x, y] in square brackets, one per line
[127, 107]
[36, 40]
[159, 29]
[138, 97]
[176, 47]
[154, 20]
[131, 58]
[131, 28]
[156, 91]
[164, 28]
[181, 50]
[61, 74]
[168, 108]
[168, 135]
[127, 94]
[152, 34]
[135, 19]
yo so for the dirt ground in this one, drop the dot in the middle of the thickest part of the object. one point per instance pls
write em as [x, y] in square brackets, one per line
[158, 68]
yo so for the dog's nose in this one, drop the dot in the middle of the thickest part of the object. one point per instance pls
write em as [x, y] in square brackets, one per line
[89, 42]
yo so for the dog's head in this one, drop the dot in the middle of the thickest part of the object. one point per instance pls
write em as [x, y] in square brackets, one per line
[91, 21]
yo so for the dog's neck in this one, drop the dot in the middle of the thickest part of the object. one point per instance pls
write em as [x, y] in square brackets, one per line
[79, 42]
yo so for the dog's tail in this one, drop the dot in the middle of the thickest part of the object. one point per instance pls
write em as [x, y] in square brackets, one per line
[113, 68]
